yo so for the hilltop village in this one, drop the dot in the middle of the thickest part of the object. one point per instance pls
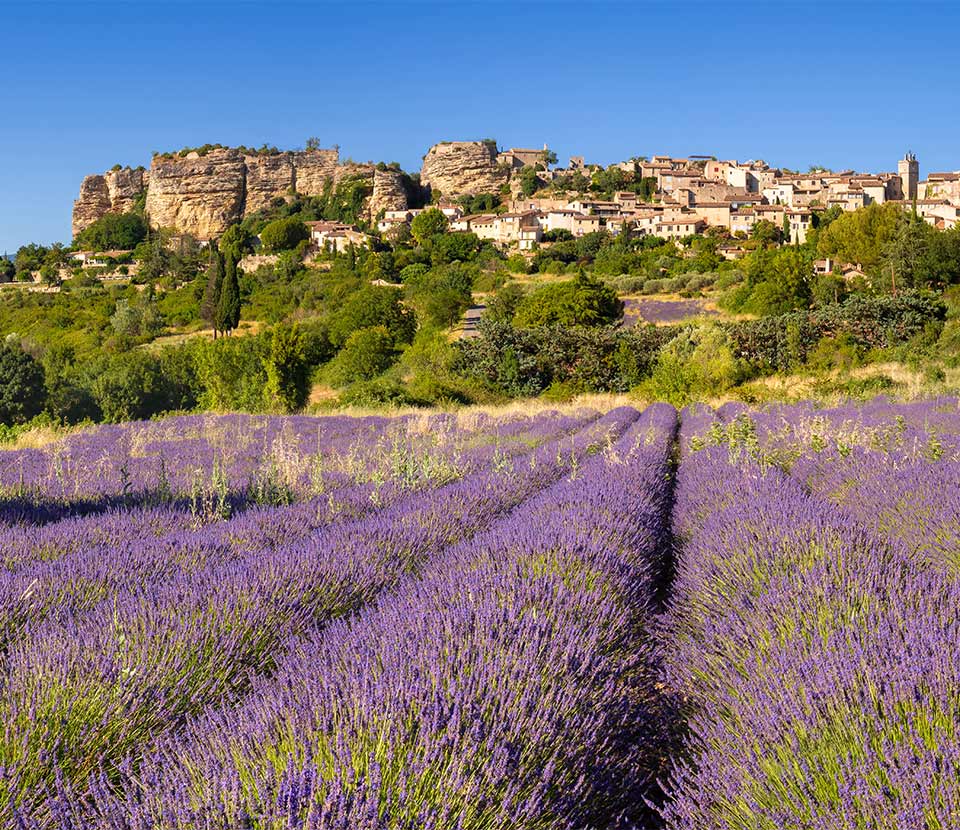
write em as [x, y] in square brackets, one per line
[202, 192]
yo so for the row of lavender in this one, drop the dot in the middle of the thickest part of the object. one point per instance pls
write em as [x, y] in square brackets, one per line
[213, 464]
[93, 688]
[510, 683]
[816, 635]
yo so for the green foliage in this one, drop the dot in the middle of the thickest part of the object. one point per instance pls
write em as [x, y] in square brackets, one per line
[227, 316]
[231, 373]
[130, 387]
[479, 203]
[861, 237]
[140, 318]
[529, 181]
[283, 234]
[369, 307]
[502, 307]
[22, 389]
[697, 364]
[441, 295]
[236, 242]
[367, 353]
[521, 362]
[29, 258]
[212, 288]
[113, 231]
[288, 370]
[583, 301]
[425, 226]
[777, 281]
[451, 247]
[780, 342]
[7, 269]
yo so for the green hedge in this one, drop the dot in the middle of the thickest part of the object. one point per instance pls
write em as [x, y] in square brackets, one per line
[524, 362]
[780, 342]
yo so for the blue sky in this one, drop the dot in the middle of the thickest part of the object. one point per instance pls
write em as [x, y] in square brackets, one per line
[86, 85]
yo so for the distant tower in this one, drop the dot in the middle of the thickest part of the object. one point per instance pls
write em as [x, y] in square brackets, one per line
[909, 169]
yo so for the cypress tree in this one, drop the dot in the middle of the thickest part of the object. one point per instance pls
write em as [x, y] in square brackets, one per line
[212, 290]
[228, 309]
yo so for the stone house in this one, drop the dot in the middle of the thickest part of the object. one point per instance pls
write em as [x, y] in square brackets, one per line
[679, 228]
[336, 236]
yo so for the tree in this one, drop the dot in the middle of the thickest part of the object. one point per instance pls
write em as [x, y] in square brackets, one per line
[428, 224]
[503, 305]
[372, 306]
[29, 258]
[141, 318]
[861, 237]
[549, 157]
[906, 254]
[283, 234]
[442, 294]
[529, 181]
[7, 269]
[367, 353]
[582, 301]
[212, 289]
[113, 231]
[313, 143]
[228, 308]
[236, 242]
[22, 389]
[765, 232]
[288, 372]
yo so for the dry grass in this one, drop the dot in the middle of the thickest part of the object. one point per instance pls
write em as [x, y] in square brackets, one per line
[177, 338]
[38, 437]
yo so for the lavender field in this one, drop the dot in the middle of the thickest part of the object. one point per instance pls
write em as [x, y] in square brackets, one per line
[708, 619]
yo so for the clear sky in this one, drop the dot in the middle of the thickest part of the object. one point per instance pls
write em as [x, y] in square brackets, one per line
[86, 85]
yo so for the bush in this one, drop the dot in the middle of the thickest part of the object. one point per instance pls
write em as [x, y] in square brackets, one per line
[288, 372]
[583, 301]
[367, 353]
[22, 389]
[372, 306]
[776, 343]
[524, 362]
[697, 364]
[231, 373]
[441, 295]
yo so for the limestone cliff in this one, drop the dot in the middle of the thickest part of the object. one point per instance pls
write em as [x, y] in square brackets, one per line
[267, 177]
[389, 192]
[313, 169]
[115, 191]
[199, 195]
[454, 168]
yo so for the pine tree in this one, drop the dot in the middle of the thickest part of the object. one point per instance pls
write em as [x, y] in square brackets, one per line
[228, 309]
[212, 290]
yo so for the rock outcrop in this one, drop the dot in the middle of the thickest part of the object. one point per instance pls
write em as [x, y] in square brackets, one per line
[313, 169]
[389, 192]
[268, 177]
[455, 168]
[115, 191]
[199, 195]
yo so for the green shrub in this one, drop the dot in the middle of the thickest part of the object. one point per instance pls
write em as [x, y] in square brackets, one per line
[22, 389]
[368, 307]
[582, 301]
[697, 364]
[367, 353]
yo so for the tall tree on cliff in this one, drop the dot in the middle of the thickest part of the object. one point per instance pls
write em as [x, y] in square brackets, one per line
[228, 311]
[213, 289]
